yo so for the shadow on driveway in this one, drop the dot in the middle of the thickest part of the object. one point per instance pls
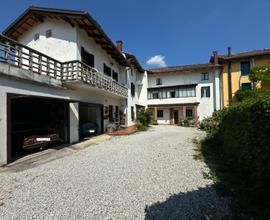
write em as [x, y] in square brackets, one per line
[200, 204]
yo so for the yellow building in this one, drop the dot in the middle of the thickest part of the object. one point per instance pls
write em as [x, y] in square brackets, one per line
[236, 67]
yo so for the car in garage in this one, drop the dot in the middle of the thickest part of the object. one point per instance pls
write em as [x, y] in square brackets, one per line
[30, 135]
[88, 128]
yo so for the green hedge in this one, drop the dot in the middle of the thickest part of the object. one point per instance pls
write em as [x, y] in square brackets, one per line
[241, 136]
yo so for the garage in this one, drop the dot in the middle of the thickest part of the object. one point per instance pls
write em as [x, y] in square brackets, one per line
[36, 123]
[91, 119]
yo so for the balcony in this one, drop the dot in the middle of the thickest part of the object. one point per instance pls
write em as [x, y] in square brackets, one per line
[78, 71]
[41, 68]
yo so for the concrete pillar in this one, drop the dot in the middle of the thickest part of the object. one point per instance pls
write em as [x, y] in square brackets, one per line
[184, 112]
[3, 129]
[155, 113]
[73, 122]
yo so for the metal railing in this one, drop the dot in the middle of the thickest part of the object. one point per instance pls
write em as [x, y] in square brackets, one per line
[16, 54]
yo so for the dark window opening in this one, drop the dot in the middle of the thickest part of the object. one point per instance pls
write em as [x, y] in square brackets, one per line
[158, 81]
[160, 113]
[155, 95]
[204, 76]
[189, 113]
[205, 91]
[87, 58]
[132, 89]
[116, 113]
[115, 76]
[48, 33]
[36, 36]
[172, 94]
[132, 114]
[110, 113]
[245, 68]
[107, 70]
[246, 86]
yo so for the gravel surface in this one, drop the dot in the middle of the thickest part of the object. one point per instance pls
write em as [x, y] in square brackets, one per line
[147, 175]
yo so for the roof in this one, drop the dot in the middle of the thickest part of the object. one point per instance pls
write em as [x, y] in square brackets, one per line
[82, 19]
[243, 55]
[185, 68]
[133, 60]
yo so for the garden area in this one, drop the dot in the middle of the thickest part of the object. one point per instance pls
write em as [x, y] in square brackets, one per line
[237, 149]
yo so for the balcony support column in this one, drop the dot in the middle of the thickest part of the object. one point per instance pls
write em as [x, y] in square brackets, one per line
[73, 122]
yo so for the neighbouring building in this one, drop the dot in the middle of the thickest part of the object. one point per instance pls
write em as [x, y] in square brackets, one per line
[236, 67]
[184, 92]
[59, 70]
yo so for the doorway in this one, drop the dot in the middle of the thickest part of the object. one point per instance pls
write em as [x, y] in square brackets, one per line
[176, 117]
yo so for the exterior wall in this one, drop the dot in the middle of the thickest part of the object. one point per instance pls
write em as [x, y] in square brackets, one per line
[61, 46]
[142, 89]
[65, 45]
[165, 120]
[101, 57]
[206, 106]
[3, 128]
[237, 79]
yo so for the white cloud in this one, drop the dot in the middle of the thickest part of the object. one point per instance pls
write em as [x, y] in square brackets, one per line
[157, 60]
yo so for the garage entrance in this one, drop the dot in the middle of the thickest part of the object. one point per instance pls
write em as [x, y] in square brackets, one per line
[91, 119]
[36, 123]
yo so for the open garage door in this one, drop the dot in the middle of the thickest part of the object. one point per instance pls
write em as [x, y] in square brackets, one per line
[91, 119]
[36, 123]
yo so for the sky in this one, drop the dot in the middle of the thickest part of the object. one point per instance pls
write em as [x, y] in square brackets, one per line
[169, 32]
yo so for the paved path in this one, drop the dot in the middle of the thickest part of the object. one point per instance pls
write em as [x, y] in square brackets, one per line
[147, 175]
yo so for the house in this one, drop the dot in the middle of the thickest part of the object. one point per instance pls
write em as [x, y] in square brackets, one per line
[58, 71]
[184, 92]
[236, 67]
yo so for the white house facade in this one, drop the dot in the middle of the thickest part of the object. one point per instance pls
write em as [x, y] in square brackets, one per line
[58, 71]
[184, 92]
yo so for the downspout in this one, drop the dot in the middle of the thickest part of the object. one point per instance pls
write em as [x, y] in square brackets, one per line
[229, 76]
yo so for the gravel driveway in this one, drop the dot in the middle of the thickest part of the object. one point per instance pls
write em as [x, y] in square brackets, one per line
[147, 175]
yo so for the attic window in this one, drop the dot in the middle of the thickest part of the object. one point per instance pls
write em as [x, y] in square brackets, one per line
[36, 36]
[48, 33]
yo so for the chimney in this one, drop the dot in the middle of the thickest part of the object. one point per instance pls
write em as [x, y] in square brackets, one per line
[215, 56]
[119, 44]
[229, 51]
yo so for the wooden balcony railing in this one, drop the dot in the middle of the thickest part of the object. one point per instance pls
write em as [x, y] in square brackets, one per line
[76, 70]
[16, 54]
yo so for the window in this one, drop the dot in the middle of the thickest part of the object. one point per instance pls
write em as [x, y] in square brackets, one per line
[132, 87]
[87, 58]
[107, 70]
[48, 33]
[189, 113]
[160, 113]
[204, 76]
[131, 72]
[246, 86]
[36, 36]
[172, 94]
[205, 91]
[115, 75]
[155, 95]
[110, 113]
[132, 114]
[245, 68]
[158, 81]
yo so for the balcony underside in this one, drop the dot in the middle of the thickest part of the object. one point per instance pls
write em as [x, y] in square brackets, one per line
[80, 85]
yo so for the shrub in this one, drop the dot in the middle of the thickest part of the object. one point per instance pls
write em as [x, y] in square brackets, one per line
[154, 122]
[240, 136]
[143, 119]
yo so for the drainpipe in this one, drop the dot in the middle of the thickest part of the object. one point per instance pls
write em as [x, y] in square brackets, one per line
[229, 76]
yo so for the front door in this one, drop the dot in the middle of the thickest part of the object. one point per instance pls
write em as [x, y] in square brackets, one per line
[175, 116]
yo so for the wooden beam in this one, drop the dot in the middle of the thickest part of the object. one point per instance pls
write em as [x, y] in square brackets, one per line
[66, 19]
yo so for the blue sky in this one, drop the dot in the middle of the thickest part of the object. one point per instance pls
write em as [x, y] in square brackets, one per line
[179, 31]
